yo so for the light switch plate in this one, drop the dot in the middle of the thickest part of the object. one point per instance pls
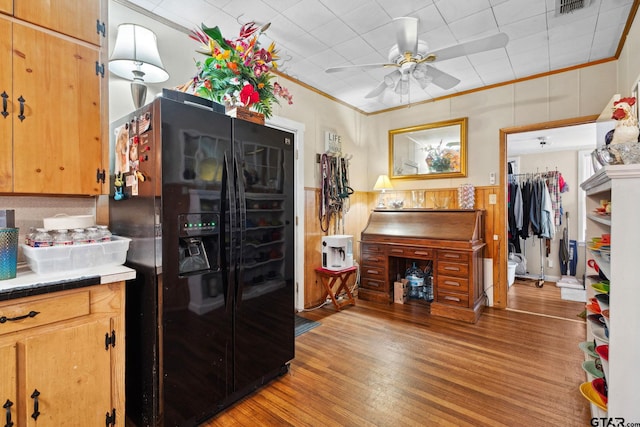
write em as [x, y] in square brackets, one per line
[493, 199]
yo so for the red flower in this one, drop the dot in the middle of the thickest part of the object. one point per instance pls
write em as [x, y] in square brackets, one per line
[248, 95]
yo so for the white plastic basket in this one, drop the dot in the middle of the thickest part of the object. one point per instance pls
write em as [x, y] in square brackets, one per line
[54, 259]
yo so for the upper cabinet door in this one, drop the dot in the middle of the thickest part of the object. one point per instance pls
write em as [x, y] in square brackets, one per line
[6, 108]
[57, 142]
[6, 6]
[76, 18]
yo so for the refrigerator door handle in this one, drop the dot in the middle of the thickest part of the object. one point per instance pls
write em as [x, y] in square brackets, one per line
[242, 210]
[226, 229]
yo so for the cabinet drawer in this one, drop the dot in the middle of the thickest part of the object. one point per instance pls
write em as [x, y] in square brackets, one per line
[378, 285]
[453, 256]
[455, 284]
[397, 251]
[378, 273]
[43, 311]
[451, 298]
[419, 253]
[372, 248]
[453, 269]
[373, 258]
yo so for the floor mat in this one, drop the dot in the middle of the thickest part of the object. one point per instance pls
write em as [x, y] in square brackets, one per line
[304, 325]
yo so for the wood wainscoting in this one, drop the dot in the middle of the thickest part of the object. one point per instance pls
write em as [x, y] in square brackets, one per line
[355, 220]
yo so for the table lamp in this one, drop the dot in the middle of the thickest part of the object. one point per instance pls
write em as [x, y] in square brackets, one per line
[135, 57]
[382, 184]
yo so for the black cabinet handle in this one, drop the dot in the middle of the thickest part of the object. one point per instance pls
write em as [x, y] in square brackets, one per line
[34, 396]
[7, 405]
[4, 96]
[32, 313]
[21, 100]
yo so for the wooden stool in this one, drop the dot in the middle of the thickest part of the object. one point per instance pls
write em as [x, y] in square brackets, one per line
[329, 279]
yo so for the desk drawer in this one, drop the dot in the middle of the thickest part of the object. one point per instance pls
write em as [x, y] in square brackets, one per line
[373, 284]
[453, 256]
[373, 272]
[453, 269]
[452, 298]
[419, 253]
[454, 284]
[373, 248]
[373, 258]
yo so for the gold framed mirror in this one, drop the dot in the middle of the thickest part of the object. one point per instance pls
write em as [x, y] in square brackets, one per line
[433, 150]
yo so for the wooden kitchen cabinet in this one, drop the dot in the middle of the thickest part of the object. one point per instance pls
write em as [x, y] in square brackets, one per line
[54, 105]
[61, 364]
[6, 6]
[81, 19]
[6, 119]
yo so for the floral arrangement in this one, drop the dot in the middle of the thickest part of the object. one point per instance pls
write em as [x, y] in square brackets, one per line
[441, 159]
[238, 72]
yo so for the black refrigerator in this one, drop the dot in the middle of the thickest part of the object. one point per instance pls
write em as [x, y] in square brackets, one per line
[208, 202]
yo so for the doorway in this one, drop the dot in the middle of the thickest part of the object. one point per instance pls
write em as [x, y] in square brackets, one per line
[543, 151]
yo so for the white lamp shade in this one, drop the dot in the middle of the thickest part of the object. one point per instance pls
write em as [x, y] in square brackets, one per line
[383, 183]
[136, 49]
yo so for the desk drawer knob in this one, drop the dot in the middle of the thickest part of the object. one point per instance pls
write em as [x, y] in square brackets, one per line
[449, 282]
[452, 268]
[452, 298]
[456, 256]
[373, 272]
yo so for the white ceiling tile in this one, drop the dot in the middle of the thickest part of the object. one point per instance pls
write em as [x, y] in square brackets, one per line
[280, 5]
[467, 28]
[352, 48]
[365, 18]
[398, 8]
[454, 10]
[249, 10]
[517, 10]
[333, 32]
[430, 20]
[340, 7]
[534, 25]
[309, 14]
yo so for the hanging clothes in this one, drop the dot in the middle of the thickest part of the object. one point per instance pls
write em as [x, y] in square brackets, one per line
[541, 202]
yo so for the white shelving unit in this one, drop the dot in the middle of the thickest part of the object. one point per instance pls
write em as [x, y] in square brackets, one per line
[620, 184]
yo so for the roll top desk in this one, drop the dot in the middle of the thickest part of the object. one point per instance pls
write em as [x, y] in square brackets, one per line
[450, 239]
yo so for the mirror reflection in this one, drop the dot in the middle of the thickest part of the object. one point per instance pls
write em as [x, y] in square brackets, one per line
[434, 150]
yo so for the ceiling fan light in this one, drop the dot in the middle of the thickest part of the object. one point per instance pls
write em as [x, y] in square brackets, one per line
[392, 78]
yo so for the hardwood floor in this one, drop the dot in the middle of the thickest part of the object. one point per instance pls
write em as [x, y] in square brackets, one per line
[547, 300]
[394, 365]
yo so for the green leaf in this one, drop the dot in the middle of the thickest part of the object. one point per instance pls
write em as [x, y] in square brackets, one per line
[216, 35]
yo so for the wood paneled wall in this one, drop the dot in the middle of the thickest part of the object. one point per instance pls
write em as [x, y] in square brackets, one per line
[355, 220]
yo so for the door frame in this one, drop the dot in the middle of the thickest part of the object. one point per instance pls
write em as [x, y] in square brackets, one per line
[500, 277]
[297, 129]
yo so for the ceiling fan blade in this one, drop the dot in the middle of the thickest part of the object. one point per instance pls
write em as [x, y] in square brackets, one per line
[406, 34]
[440, 78]
[481, 45]
[389, 80]
[358, 67]
[377, 91]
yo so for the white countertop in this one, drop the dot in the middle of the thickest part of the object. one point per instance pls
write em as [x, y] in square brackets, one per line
[26, 278]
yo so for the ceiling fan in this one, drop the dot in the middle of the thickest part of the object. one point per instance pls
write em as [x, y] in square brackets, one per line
[411, 57]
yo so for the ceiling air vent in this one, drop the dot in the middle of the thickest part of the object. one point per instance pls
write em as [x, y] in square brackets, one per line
[564, 7]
